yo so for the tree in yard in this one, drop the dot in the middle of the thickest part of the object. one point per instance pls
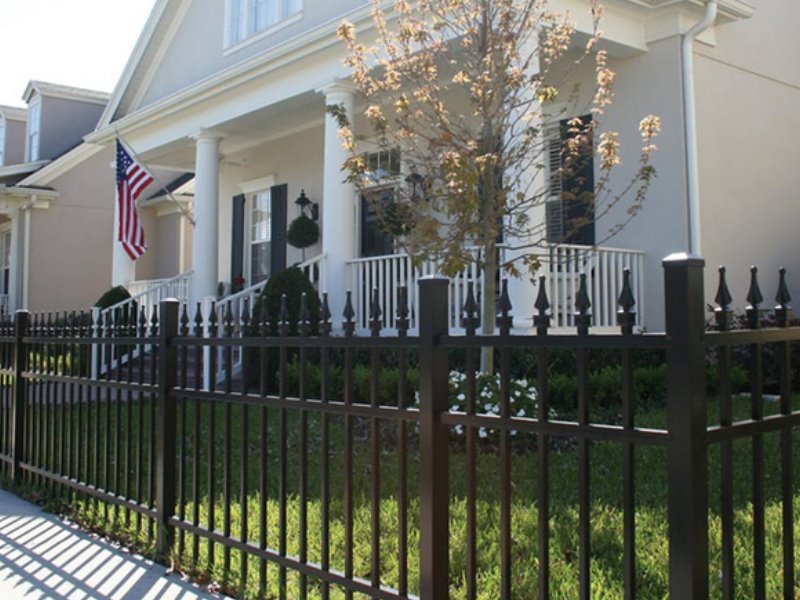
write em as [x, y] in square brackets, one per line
[481, 166]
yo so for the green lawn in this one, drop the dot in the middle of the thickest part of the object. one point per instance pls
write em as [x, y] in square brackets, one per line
[606, 486]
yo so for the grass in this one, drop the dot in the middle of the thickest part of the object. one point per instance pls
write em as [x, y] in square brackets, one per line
[606, 516]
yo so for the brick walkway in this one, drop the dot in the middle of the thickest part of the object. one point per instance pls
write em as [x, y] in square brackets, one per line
[43, 557]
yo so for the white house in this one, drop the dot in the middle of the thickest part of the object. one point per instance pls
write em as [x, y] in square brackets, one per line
[235, 93]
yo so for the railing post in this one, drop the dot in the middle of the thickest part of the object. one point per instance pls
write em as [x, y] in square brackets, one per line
[209, 378]
[686, 422]
[433, 440]
[20, 394]
[166, 425]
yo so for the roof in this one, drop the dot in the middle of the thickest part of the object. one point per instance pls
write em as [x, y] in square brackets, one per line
[22, 168]
[173, 186]
[13, 113]
[64, 91]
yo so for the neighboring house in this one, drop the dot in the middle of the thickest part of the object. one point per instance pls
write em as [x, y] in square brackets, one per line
[235, 92]
[56, 200]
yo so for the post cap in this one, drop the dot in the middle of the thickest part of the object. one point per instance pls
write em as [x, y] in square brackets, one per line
[683, 258]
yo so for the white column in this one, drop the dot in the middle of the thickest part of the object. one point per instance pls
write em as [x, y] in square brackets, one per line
[123, 269]
[206, 213]
[13, 274]
[531, 181]
[338, 205]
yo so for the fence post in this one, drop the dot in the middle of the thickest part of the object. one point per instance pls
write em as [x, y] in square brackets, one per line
[434, 448]
[20, 394]
[686, 422]
[166, 425]
[95, 333]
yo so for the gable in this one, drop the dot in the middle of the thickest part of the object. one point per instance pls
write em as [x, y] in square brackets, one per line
[185, 41]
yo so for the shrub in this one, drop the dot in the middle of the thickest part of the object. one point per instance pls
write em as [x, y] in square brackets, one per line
[113, 296]
[294, 284]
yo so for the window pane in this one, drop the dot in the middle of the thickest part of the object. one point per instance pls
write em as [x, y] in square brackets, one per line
[2, 140]
[259, 263]
[273, 11]
[236, 20]
[260, 218]
[34, 112]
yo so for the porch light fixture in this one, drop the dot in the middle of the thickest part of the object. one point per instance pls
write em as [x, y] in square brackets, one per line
[308, 208]
[416, 180]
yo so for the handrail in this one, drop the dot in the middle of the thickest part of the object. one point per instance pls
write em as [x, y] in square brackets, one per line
[312, 261]
[159, 285]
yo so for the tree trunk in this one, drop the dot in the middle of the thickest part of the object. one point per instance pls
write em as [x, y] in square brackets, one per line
[489, 303]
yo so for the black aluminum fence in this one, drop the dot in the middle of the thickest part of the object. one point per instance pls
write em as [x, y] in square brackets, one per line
[301, 476]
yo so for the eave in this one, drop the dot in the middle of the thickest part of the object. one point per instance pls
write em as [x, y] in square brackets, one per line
[61, 165]
[22, 168]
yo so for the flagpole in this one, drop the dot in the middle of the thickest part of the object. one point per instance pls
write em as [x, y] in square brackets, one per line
[158, 181]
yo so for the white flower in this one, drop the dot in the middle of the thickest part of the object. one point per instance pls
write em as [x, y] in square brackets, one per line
[482, 433]
[461, 397]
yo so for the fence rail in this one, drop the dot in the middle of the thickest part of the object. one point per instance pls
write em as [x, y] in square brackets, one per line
[308, 479]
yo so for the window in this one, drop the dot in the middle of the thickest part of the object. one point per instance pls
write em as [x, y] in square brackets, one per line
[570, 199]
[2, 141]
[375, 240]
[247, 18]
[385, 169]
[260, 236]
[34, 117]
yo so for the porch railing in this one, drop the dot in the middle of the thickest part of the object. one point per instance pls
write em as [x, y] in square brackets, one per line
[388, 273]
[235, 306]
[314, 268]
[564, 264]
[145, 297]
[603, 268]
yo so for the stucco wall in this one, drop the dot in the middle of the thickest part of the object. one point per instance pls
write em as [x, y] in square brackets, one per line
[64, 123]
[15, 142]
[146, 266]
[70, 242]
[197, 52]
[648, 83]
[747, 110]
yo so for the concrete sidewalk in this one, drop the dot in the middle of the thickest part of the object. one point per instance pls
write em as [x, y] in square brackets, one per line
[43, 557]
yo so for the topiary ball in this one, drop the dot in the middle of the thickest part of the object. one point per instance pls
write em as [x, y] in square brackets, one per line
[303, 232]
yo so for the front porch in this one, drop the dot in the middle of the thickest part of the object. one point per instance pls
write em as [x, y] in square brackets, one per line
[240, 180]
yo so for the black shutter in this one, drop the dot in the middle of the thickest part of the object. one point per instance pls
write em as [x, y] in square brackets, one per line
[578, 193]
[237, 238]
[280, 196]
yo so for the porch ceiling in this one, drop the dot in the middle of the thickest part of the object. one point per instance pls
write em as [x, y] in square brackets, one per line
[246, 131]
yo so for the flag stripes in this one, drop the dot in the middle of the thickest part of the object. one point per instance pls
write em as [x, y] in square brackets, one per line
[132, 179]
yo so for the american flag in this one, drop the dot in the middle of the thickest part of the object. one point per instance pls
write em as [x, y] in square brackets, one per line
[132, 178]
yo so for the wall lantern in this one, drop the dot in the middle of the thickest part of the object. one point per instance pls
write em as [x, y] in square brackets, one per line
[308, 208]
[415, 180]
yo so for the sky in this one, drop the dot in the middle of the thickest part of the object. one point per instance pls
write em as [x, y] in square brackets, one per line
[81, 43]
